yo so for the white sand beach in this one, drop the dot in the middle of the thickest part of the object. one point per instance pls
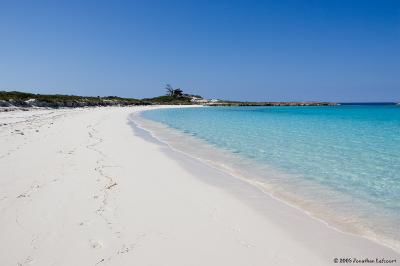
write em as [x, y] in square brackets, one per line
[83, 187]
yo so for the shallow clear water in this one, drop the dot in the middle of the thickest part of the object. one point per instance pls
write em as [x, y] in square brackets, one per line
[351, 151]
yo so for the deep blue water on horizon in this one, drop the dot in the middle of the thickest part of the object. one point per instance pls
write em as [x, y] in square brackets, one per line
[368, 103]
[352, 149]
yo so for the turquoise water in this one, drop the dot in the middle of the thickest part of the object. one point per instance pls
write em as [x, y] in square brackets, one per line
[351, 150]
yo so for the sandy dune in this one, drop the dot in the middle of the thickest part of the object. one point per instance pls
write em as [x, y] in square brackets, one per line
[80, 187]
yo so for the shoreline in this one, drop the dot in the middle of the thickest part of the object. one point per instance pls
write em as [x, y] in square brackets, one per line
[168, 136]
[96, 197]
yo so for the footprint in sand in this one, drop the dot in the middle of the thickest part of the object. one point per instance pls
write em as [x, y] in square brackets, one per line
[95, 244]
[125, 249]
[235, 229]
[28, 260]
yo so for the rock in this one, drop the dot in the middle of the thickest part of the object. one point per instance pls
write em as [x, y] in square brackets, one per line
[4, 103]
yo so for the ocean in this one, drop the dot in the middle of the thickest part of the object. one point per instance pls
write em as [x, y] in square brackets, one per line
[340, 164]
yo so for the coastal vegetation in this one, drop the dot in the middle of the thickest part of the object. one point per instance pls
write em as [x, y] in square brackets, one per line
[173, 92]
[23, 99]
[173, 96]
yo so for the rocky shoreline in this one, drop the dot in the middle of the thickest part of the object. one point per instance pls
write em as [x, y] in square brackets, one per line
[60, 104]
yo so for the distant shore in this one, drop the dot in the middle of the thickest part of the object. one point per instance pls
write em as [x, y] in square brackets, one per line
[10, 100]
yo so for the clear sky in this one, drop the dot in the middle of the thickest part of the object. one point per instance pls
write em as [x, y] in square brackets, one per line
[344, 50]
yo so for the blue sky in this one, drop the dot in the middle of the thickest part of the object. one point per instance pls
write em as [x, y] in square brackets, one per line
[243, 50]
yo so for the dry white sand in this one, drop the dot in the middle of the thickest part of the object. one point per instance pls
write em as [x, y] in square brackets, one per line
[80, 187]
